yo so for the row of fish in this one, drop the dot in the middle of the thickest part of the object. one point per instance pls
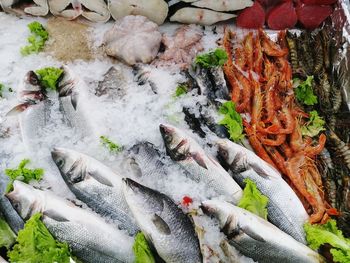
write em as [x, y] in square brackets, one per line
[128, 206]
[196, 12]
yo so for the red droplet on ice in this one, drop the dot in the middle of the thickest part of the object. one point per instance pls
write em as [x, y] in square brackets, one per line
[186, 200]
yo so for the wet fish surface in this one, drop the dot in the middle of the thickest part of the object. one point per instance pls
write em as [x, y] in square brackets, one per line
[96, 185]
[89, 237]
[163, 223]
[185, 151]
[285, 210]
[257, 238]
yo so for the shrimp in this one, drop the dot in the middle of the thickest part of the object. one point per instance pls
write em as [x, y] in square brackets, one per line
[270, 48]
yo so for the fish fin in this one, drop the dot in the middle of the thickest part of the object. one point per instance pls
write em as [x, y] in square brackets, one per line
[161, 225]
[199, 160]
[100, 179]
[18, 109]
[259, 170]
[252, 234]
[55, 216]
[227, 227]
[74, 100]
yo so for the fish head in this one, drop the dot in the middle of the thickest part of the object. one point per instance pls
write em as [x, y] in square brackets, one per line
[66, 82]
[24, 199]
[222, 211]
[176, 142]
[70, 163]
[147, 206]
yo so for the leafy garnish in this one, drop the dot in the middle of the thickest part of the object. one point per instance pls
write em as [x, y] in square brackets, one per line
[180, 90]
[218, 57]
[111, 146]
[232, 120]
[23, 174]
[36, 244]
[314, 126]
[142, 251]
[328, 233]
[304, 92]
[1, 89]
[7, 237]
[49, 77]
[252, 200]
[36, 40]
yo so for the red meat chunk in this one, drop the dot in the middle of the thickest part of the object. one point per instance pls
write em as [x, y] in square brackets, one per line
[252, 17]
[282, 16]
[311, 16]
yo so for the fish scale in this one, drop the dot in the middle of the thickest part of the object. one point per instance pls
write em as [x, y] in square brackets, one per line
[284, 207]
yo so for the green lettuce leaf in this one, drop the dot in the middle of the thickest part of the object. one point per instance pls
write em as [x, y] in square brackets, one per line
[7, 237]
[215, 58]
[253, 200]
[36, 40]
[304, 92]
[232, 120]
[328, 233]
[49, 77]
[314, 126]
[142, 250]
[23, 174]
[111, 146]
[181, 90]
[35, 244]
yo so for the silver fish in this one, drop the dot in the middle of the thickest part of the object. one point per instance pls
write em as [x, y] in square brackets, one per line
[73, 95]
[96, 185]
[257, 238]
[113, 84]
[185, 150]
[89, 237]
[285, 210]
[11, 216]
[163, 223]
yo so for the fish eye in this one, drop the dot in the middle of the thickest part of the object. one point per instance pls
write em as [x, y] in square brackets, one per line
[17, 206]
[60, 162]
[168, 138]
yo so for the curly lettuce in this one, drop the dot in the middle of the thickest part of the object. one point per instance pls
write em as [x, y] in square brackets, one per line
[7, 237]
[328, 233]
[217, 57]
[314, 126]
[49, 77]
[253, 201]
[142, 251]
[304, 92]
[36, 244]
[36, 40]
[23, 174]
[232, 120]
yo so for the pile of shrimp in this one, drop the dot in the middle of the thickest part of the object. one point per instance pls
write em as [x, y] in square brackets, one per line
[260, 78]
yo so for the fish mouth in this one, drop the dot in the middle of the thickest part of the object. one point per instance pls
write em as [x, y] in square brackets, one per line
[165, 130]
[131, 184]
[58, 157]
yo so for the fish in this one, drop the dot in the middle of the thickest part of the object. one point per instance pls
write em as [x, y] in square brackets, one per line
[205, 17]
[163, 223]
[96, 185]
[10, 215]
[113, 84]
[145, 161]
[201, 168]
[256, 237]
[285, 210]
[89, 237]
[73, 94]
[223, 5]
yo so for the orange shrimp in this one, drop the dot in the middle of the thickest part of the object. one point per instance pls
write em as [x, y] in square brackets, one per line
[277, 158]
[288, 119]
[257, 58]
[248, 51]
[311, 151]
[280, 138]
[269, 99]
[227, 44]
[246, 91]
[286, 150]
[270, 48]
[256, 144]
[296, 140]
[240, 59]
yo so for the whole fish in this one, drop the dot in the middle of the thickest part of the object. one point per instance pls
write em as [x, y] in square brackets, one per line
[257, 238]
[34, 119]
[285, 210]
[96, 185]
[73, 97]
[163, 223]
[89, 237]
[201, 167]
